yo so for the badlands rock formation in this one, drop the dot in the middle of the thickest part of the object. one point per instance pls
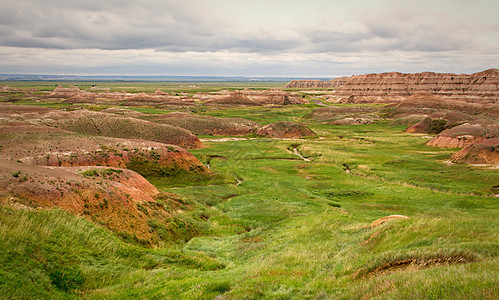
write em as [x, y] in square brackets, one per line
[285, 129]
[392, 87]
[162, 99]
[466, 134]
[75, 95]
[253, 98]
[48, 146]
[103, 124]
[485, 152]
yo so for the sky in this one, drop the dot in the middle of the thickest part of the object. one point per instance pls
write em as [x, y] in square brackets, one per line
[247, 37]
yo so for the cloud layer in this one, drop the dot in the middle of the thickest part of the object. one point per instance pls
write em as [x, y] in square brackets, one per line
[236, 37]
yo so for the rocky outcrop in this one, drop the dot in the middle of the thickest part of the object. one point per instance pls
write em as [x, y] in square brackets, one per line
[438, 122]
[466, 134]
[48, 146]
[485, 152]
[305, 84]
[385, 87]
[253, 98]
[285, 129]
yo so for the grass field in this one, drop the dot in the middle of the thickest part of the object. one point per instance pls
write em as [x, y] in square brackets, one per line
[146, 86]
[276, 226]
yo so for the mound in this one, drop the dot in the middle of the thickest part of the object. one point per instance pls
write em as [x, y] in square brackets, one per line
[124, 127]
[485, 152]
[47, 146]
[236, 98]
[285, 129]
[208, 125]
[438, 122]
[254, 98]
[118, 199]
[273, 97]
[466, 134]
[352, 121]
[124, 112]
[337, 112]
[61, 92]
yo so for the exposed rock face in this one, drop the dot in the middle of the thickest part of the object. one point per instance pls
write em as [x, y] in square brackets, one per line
[236, 98]
[466, 134]
[427, 103]
[273, 97]
[208, 125]
[43, 166]
[485, 152]
[352, 121]
[119, 199]
[391, 87]
[254, 98]
[438, 122]
[300, 84]
[285, 129]
[48, 146]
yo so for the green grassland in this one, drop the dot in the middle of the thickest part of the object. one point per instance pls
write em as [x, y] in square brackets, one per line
[147, 86]
[271, 225]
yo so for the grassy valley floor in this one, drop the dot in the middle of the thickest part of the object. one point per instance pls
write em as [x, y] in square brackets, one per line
[283, 226]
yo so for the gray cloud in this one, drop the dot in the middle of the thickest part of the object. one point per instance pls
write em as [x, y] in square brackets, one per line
[172, 33]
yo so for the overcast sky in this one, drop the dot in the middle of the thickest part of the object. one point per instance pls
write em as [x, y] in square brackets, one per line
[247, 37]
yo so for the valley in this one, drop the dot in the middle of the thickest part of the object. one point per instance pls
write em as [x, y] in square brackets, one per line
[301, 190]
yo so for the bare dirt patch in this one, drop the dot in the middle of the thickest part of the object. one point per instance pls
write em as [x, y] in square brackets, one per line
[383, 220]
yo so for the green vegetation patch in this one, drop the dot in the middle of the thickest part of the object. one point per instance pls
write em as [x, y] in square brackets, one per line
[105, 173]
[272, 225]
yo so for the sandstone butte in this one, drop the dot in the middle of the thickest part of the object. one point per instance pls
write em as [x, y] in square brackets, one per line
[394, 86]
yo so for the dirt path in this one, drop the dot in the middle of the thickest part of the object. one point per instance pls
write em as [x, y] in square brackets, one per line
[295, 152]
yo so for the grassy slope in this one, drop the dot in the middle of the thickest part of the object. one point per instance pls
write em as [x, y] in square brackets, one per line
[291, 229]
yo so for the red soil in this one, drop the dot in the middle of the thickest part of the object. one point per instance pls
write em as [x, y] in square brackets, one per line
[484, 152]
